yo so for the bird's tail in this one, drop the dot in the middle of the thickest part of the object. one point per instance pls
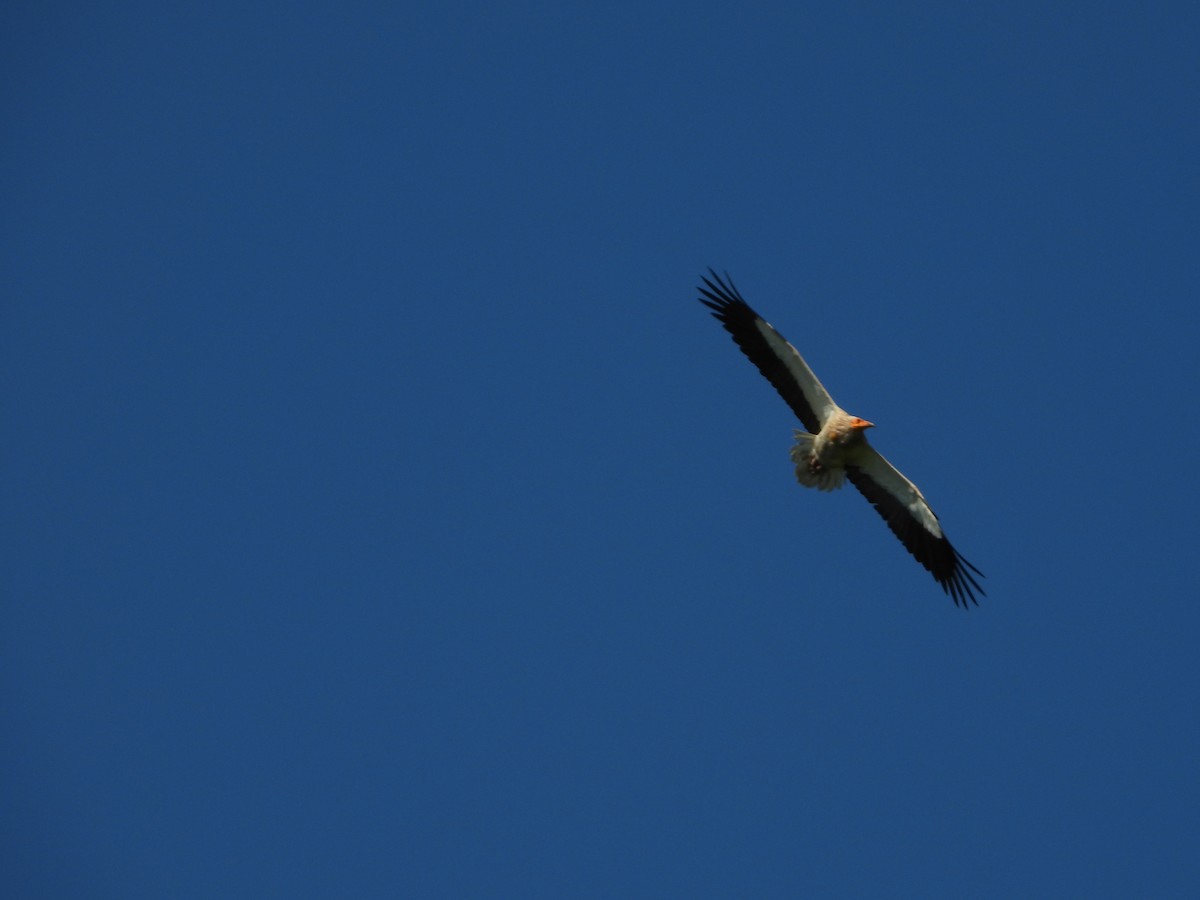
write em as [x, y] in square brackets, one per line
[811, 473]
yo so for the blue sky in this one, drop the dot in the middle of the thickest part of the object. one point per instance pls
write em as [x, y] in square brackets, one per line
[383, 516]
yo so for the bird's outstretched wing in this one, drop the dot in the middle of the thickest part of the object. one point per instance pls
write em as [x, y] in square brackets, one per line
[908, 515]
[779, 361]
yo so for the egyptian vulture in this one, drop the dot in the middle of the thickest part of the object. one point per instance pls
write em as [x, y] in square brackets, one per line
[834, 447]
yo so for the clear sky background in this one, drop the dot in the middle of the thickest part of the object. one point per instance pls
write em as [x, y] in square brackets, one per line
[383, 516]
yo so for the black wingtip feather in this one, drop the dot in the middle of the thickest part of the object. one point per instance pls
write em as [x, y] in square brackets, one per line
[959, 583]
[722, 295]
[968, 579]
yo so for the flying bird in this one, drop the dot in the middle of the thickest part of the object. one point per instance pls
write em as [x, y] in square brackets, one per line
[834, 447]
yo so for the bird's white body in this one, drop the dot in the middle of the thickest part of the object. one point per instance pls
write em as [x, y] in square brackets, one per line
[821, 458]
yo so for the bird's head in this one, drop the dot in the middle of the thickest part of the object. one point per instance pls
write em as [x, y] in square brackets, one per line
[848, 429]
